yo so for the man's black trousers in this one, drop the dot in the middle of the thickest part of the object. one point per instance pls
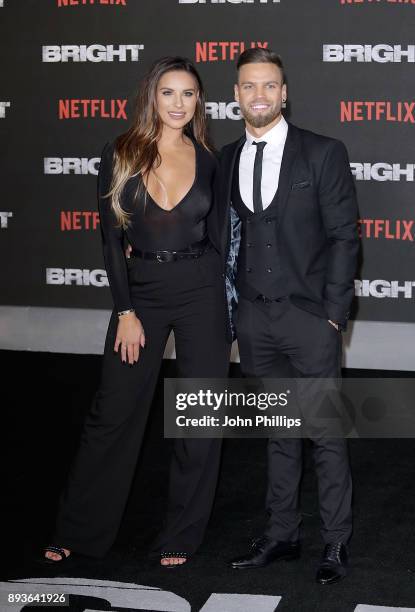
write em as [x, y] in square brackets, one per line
[279, 339]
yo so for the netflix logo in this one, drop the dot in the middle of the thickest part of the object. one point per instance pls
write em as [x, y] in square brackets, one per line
[75, 108]
[400, 112]
[76, 220]
[399, 229]
[212, 51]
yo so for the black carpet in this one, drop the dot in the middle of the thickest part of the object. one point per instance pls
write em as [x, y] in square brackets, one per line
[45, 398]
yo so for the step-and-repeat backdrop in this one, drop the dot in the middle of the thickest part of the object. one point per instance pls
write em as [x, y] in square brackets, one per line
[69, 72]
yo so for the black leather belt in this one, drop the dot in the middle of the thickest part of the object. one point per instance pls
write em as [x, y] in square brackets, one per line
[193, 251]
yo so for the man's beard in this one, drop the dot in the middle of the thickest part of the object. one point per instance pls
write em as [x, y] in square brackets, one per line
[260, 120]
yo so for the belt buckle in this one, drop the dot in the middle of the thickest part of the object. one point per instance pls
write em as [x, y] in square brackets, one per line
[165, 256]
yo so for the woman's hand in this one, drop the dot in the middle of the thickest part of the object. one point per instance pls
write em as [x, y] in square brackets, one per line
[130, 336]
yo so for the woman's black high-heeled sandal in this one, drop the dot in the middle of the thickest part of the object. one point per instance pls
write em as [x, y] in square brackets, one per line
[173, 555]
[59, 551]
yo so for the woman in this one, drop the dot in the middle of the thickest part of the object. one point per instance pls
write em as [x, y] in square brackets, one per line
[155, 191]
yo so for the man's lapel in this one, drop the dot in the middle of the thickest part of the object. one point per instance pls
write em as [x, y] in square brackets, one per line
[227, 163]
[289, 158]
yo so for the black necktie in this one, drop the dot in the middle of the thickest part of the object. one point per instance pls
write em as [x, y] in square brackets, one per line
[257, 197]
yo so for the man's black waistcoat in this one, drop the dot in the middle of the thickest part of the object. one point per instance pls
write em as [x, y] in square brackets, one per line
[259, 264]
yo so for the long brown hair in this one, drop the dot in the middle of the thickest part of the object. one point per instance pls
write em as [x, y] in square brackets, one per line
[136, 151]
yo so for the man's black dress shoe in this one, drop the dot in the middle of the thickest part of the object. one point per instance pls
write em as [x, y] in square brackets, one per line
[333, 566]
[264, 551]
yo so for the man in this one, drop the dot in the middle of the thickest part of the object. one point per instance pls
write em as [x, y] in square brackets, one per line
[290, 194]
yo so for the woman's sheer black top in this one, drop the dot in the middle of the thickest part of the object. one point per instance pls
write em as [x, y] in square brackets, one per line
[151, 227]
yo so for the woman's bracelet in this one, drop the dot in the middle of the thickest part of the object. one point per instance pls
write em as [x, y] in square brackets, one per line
[124, 312]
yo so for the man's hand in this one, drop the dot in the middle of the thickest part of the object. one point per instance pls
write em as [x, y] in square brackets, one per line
[335, 325]
[130, 336]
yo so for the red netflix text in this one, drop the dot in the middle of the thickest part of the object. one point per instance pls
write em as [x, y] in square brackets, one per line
[402, 112]
[399, 229]
[213, 51]
[92, 109]
[79, 220]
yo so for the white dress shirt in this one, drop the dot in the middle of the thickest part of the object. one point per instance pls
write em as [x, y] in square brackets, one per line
[271, 164]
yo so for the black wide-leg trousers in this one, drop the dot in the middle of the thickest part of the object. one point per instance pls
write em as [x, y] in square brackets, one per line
[279, 339]
[185, 296]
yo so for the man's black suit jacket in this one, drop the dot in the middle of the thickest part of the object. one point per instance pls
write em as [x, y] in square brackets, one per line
[316, 221]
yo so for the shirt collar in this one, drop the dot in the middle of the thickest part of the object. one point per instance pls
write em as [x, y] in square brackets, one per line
[276, 136]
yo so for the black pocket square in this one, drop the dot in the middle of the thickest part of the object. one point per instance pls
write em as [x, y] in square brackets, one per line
[301, 185]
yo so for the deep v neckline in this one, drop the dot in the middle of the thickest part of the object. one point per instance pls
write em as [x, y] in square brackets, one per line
[186, 195]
